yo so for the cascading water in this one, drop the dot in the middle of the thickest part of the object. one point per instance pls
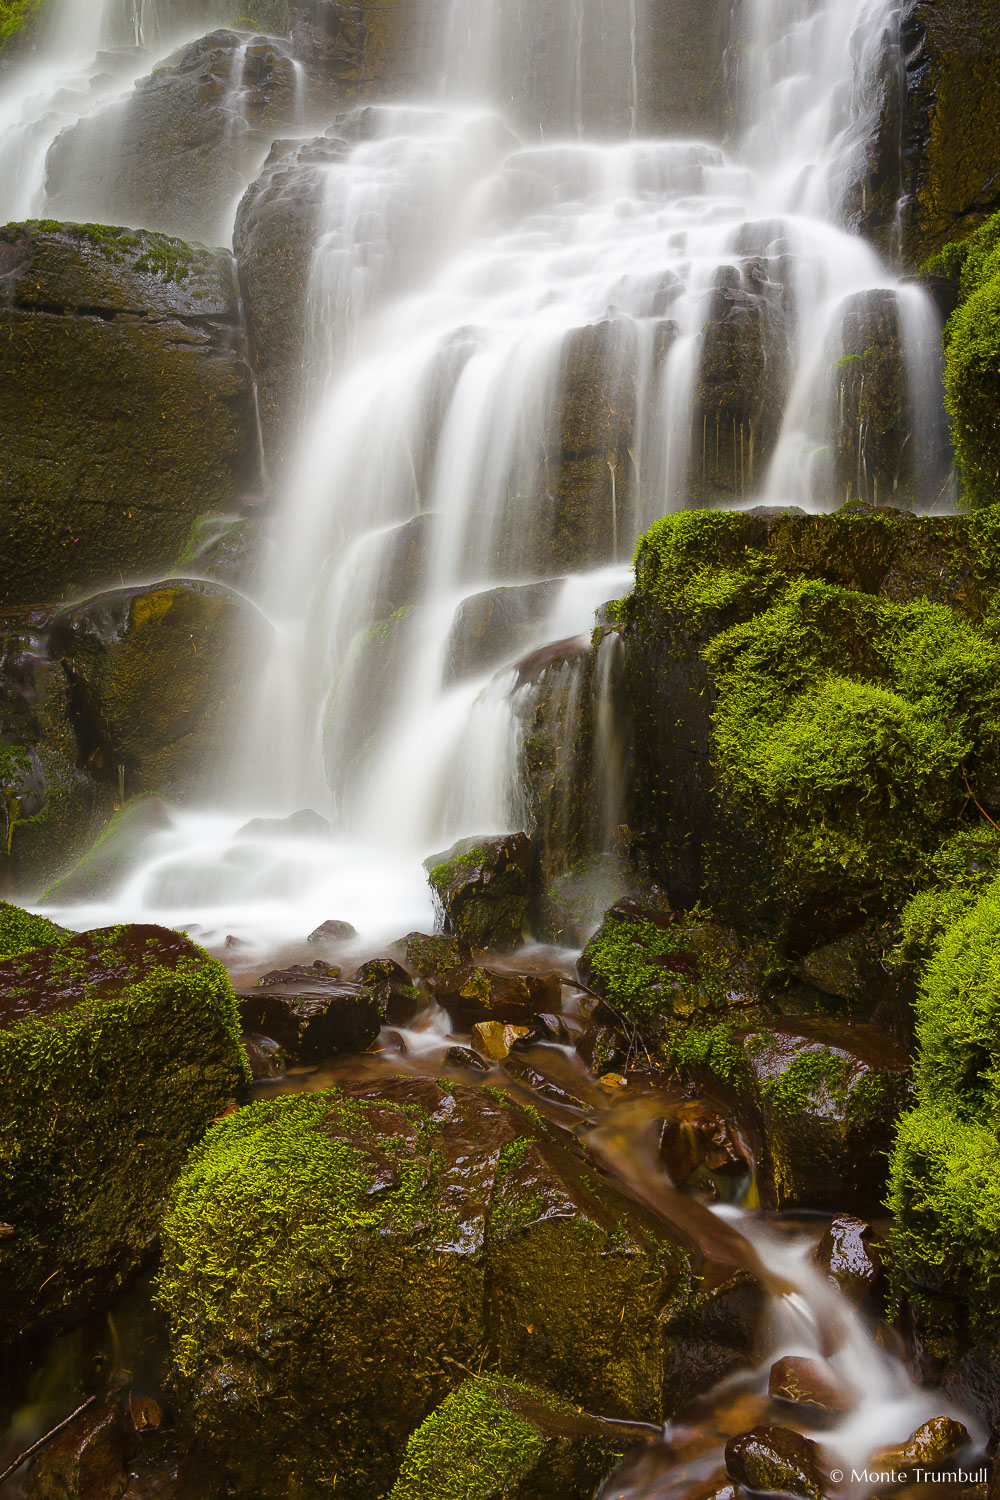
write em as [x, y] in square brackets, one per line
[521, 354]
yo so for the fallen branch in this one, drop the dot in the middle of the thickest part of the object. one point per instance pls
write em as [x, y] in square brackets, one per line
[23, 1457]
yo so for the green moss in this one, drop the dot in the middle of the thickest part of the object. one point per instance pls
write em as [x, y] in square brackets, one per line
[812, 1076]
[972, 375]
[18, 19]
[696, 562]
[624, 964]
[20, 931]
[957, 872]
[103, 1099]
[713, 1048]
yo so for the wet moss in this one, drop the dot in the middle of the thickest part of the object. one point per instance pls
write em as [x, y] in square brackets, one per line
[19, 20]
[105, 1092]
[972, 345]
[20, 931]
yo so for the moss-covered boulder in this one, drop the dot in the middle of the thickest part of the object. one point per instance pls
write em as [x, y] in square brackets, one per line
[811, 716]
[972, 371]
[332, 1260]
[481, 889]
[511, 1440]
[126, 404]
[117, 1049]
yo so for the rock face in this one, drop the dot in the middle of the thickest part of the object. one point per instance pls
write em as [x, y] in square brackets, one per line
[126, 404]
[174, 155]
[481, 888]
[117, 1048]
[507, 1438]
[782, 672]
[429, 1222]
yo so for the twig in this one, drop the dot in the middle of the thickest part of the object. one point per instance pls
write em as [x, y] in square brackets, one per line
[977, 804]
[22, 1457]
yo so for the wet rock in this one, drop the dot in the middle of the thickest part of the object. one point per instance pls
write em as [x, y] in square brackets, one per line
[828, 1095]
[481, 889]
[933, 1442]
[449, 1216]
[265, 1056]
[332, 931]
[368, 50]
[720, 1331]
[156, 677]
[435, 957]
[849, 1260]
[304, 824]
[480, 994]
[398, 997]
[807, 1383]
[310, 1014]
[122, 844]
[508, 1438]
[86, 1461]
[173, 154]
[775, 1460]
[464, 1057]
[540, 1083]
[126, 402]
[496, 626]
[701, 1146]
[494, 1039]
[117, 1050]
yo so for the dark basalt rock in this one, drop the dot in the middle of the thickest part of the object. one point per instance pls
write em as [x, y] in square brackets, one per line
[494, 626]
[775, 1460]
[117, 1049]
[397, 996]
[88, 1460]
[480, 994]
[481, 888]
[848, 1259]
[311, 1014]
[126, 404]
[807, 1383]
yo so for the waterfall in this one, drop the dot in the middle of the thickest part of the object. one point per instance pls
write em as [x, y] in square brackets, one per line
[532, 331]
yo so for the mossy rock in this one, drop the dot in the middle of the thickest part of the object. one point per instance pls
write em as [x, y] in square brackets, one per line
[331, 1260]
[114, 854]
[972, 368]
[810, 719]
[497, 1439]
[126, 402]
[481, 889]
[20, 22]
[21, 931]
[117, 1048]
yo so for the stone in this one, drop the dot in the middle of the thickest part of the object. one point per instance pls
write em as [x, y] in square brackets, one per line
[932, 1443]
[464, 1057]
[435, 957]
[87, 1460]
[481, 889]
[174, 153]
[118, 1048]
[332, 931]
[775, 1460]
[304, 824]
[369, 50]
[265, 1056]
[702, 1147]
[808, 1383]
[505, 1437]
[448, 1216]
[126, 400]
[723, 1329]
[157, 677]
[495, 626]
[398, 998]
[481, 994]
[494, 1039]
[122, 844]
[849, 1260]
[310, 1014]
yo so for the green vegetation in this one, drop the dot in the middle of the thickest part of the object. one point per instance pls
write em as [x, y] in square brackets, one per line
[21, 931]
[628, 962]
[117, 1048]
[697, 562]
[18, 19]
[972, 344]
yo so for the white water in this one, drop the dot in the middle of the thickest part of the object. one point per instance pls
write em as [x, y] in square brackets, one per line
[459, 273]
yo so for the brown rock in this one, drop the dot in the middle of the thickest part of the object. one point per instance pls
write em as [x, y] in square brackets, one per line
[933, 1441]
[86, 1461]
[311, 1015]
[848, 1260]
[775, 1460]
[494, 1040]
[807, 1382]
[481, 994]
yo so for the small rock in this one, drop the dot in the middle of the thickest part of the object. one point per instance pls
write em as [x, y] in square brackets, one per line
[700, 1137]
[494, 1040]
[480, 994]
[806, 1382]
[145, 1413]
[464, 1057]
[265, 1057]
[398, 998]
[86, 1461]
[481, 888]
[932, 1443]
[305, 824]
[613, 1080]
[311, 1015]
[848, 1260]
[522, 1072]
[775, 1460]
[332, 931]
[435, 957]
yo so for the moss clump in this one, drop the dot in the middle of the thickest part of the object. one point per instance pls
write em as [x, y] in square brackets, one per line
[812, 1078]
[972, 346]
[21, 931]
[957, 872]
[699, 564]
[19, 19]
[504, 1440]
[712, 1049]
[117, 1048]
[481, 889]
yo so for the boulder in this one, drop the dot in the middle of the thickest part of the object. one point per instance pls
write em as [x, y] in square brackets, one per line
[126, 401]
[435, 957]
[932, 1443]
[332, 931]
[481, 889]
[311, 1014]
[849, 1260]
[175, 153]
[496, 1039]
[332, 1259]
[775, 1460]
[398, 998]
[808, 1383]
[88, 1460]
[481, 994]
[493, 627]
[117, 1049]
[801, 746]
[504, 1437]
